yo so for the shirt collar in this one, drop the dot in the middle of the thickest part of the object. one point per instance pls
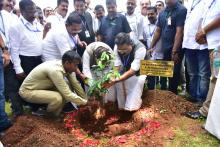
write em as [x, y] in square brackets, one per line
[116, 16]
[60, 64]
[173, 7]
[27, 22]
[59, 16]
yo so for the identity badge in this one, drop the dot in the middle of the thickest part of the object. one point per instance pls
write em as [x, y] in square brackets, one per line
[169, 21]
[87, 34]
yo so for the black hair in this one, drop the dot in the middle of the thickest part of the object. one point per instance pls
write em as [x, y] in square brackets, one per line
[38, 8]
[152, 8]
[97, 7]
[71, 56]
[161, 2]
[98, 52]
[23, 4]
[73, 18]
[60, 1]
[123, 38]
[79, 1]
[109, 2]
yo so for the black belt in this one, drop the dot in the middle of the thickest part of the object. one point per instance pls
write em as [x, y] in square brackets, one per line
[31, 57]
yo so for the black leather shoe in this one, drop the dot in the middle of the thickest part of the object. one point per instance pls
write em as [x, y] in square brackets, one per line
[194, 115]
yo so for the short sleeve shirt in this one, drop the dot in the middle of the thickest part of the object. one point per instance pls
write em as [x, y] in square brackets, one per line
[109, 28]
[177, 14]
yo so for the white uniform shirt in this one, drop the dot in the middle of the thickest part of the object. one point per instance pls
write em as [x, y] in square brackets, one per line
[57, 42]
[192, 25]
[25, 39]
[136, 23]
[212, 11]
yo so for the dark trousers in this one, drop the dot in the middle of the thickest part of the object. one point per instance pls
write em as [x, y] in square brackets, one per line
[199, 70]
[174, 81]
[28, 63]
[13, 84]
[152, 82]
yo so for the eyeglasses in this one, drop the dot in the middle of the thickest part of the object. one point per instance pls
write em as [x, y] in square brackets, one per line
[49, 10]
[159, 5]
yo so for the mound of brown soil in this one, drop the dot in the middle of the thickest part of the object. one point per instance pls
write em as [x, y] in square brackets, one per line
[147, 127]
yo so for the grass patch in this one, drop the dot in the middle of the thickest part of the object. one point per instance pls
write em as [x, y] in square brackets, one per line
[183, 137]
[8, 109]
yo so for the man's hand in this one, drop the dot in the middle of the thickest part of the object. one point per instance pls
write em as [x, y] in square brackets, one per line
[82, 44]
[47, 26]
[6, 58]
[110, 83]
[201, 37]
[176, 58]
[150, 52]
[211, 54]
[21, 76]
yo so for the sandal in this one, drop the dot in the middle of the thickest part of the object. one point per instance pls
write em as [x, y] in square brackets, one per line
[194, 115]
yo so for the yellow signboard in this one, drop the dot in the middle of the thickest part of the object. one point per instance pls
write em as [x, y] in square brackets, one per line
[157, 68]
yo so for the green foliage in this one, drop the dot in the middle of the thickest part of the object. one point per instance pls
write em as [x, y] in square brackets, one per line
[104, 71]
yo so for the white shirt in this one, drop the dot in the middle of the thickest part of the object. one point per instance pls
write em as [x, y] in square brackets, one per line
[25, 39]
[192, 24]
[55, 20]
[211, 12]
[57, 42]
[136, 23]
[148, 37]
[9, 19]
[86, 56]
[135, 65]
[96, 25]
[149, 30]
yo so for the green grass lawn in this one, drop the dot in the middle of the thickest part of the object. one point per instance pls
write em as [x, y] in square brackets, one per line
[8, 109]
[183, 138]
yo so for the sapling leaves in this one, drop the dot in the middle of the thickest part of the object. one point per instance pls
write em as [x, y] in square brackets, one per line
[104, 72]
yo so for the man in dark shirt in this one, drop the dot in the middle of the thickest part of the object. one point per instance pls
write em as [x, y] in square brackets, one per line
[112, 24]
[87, 34]
[170, 29]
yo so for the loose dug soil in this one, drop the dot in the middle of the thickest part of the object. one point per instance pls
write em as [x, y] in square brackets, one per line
[151, 126]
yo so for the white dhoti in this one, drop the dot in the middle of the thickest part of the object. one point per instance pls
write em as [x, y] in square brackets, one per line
[128, 95]
[213, 119]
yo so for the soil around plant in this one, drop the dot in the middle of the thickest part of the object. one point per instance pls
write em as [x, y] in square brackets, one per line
[151, 126]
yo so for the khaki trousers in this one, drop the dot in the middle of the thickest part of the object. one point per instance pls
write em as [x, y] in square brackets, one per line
[205, 107]
[53, 98]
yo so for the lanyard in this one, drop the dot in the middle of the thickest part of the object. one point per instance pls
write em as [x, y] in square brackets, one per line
[151, 33]
[3, 25]
[37, 30]
[73, 40]
[208, 10]
[194, 5]
[169, 14]
[125, 62]
[211, 4]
